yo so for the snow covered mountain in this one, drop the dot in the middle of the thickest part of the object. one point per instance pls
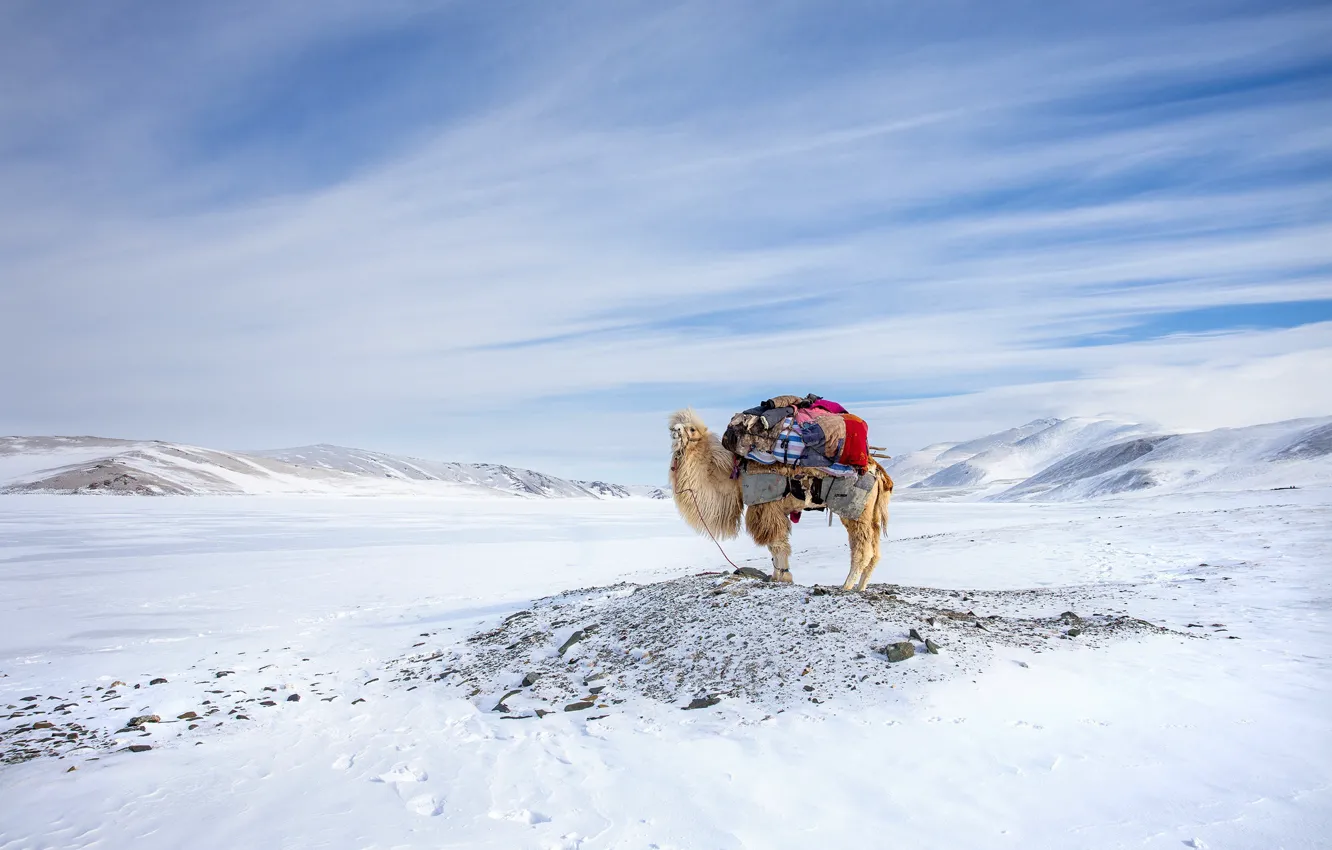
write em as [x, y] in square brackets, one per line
[146, 467]
[492, 476]
[1007, 456]
[150, 467]
[1079, 458]
[1283, 454]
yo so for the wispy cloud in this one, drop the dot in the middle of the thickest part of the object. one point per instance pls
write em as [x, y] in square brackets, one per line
[415, 227]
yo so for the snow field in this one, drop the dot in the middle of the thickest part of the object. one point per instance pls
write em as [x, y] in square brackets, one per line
[1151, 740]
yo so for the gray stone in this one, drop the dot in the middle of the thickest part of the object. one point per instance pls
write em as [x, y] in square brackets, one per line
[931, 647]
[530, 679]
[575, 638]
[158, 681]
[579, 706]
[294, 698]
[500, 706]
[144, 718]
[900, 651]
[915, 635]
[702, 702]
[752, 572]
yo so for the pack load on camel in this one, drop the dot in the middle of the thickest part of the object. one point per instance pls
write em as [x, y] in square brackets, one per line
[787, 455]
[819, 437]
[808, 431]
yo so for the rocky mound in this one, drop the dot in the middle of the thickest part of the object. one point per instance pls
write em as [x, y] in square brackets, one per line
[107, 476]
[697, 640]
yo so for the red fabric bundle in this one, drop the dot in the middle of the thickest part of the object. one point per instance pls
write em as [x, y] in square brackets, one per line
[856, 450]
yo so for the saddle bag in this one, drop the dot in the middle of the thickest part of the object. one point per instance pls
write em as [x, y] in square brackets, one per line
[759, 488]
[847, 497]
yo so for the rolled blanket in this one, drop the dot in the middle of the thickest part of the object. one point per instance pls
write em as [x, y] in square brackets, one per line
[855, 452]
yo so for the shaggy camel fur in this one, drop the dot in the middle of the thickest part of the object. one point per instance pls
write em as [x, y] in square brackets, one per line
[709, 500]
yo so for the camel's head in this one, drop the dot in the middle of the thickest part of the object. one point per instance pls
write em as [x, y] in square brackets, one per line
[686, 428]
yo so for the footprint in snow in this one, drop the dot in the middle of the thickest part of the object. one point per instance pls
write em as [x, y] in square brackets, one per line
[426, 805]
[402, 773]
[526, 816]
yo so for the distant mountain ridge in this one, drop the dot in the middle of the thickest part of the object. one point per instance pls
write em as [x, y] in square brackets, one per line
[151, 467]
[1086, 458]
[494, 476]
[1044, 460]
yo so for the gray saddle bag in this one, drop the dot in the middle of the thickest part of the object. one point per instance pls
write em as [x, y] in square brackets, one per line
[847, 497]
[759, 488]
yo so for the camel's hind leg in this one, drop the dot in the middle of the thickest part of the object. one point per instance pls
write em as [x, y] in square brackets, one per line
[873, 562]
[864, 536]
[864, 553]
[770, 526]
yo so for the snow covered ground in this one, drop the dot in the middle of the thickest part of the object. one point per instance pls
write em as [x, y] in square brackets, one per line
[1208, 730]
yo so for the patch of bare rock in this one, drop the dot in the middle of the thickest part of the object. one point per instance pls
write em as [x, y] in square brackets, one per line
[699, 640]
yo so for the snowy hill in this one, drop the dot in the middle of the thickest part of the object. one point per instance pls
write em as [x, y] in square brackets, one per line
[1012, 455]
[150, 467]
[1081, 458]
[491, 476]
[1283, 454]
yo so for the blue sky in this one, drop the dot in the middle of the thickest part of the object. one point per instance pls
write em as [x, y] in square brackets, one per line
[525, 232]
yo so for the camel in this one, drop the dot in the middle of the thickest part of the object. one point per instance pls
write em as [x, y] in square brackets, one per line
[709, 500]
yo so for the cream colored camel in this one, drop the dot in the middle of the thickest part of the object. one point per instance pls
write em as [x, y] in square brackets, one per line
[709, 500]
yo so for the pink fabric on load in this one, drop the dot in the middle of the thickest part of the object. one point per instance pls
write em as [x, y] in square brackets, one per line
[830, 406]
[804, 414]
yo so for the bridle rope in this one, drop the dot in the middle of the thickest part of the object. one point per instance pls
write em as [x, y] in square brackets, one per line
[699, 509]
[675, 463]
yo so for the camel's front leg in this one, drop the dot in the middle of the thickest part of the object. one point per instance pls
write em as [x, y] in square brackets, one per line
[770, 526]
[781, 561]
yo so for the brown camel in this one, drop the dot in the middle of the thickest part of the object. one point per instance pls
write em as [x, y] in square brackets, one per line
[710, 500]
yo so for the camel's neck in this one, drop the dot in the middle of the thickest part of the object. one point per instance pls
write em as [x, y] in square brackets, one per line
[706, 458]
